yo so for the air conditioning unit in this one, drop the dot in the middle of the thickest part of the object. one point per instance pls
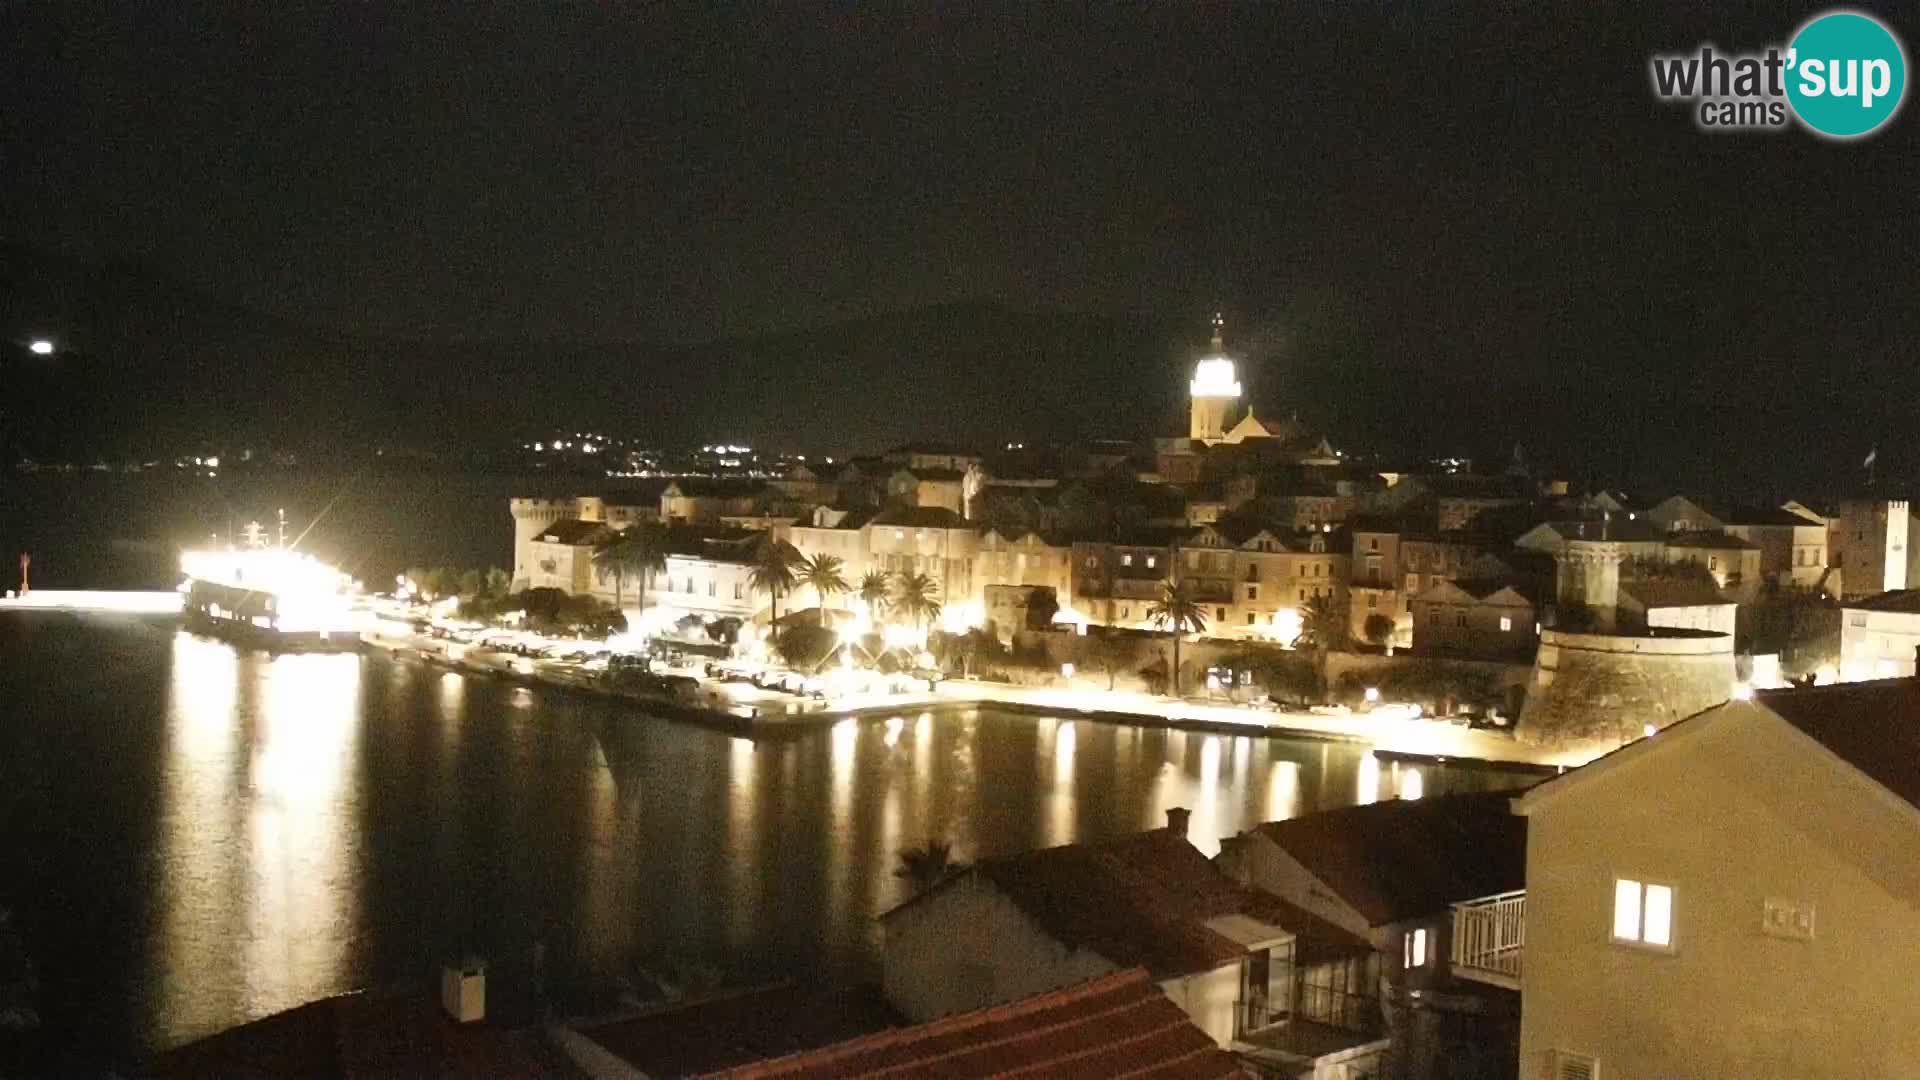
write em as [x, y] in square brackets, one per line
[463, 991]
[1569, 1066]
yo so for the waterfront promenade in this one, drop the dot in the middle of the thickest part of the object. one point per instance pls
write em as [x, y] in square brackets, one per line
[751, 711]
[747, 710]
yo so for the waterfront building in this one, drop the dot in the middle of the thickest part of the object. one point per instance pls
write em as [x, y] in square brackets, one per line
[1116, 581]
[1393, 561]
[1392, 873]
[1029, 559]
[1879, 635]
[935, 541]
[1269, 574]
[708, 574]
[560, 556]
[1480, 619]
[1257, 974]
[1698, 903]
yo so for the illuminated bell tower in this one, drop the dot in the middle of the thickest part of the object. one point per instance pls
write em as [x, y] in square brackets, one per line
[1215, 390]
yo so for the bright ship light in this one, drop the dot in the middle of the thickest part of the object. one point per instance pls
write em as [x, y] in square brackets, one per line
[41, 347]
[308, 595]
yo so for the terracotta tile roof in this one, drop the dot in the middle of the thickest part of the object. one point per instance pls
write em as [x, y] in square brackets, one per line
[573, 532]
[363, 1035]
[1711, 538]
[1674, 592]
[1873, 726]
[1405, 858]
[734, 1029]
[1119, 1025]
[1145, 900]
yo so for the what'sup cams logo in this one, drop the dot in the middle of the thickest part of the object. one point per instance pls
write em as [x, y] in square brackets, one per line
[1842, 76]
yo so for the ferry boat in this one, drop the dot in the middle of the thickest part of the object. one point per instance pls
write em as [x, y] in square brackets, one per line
[270, 598]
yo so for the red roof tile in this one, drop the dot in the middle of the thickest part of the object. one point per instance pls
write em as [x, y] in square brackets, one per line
[364, 1035]
[1118, 1025]
[1144, 900]
[1405, 858]
[736, 1028]
[1873, 726]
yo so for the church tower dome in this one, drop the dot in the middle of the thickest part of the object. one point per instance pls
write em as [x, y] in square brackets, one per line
[1215, 390]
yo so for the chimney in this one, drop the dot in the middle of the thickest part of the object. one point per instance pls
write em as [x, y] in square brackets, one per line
[1177, 820]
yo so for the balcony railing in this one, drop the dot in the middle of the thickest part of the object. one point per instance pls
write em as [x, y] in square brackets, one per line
[1489, 934]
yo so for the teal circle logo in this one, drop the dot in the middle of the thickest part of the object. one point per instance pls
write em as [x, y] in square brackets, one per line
[1846, 74]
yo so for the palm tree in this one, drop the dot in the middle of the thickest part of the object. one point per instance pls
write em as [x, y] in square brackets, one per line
[613, 560]
[772, 573]
[823, 573]
[1323, 628]
[1180, 614]
[925, 867]
[875, 589]
[917, 596]
[634, 554]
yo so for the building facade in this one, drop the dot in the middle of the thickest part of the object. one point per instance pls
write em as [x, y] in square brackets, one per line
[1735, 897]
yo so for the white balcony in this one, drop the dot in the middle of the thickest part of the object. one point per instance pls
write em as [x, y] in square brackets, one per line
[1489, 935]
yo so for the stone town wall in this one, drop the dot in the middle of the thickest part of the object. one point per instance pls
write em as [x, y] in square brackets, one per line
[1605, 688]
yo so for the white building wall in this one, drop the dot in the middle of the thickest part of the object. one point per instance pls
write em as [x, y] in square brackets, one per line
[1742, 814]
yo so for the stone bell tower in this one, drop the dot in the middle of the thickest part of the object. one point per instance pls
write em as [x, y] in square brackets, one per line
[1215, 391]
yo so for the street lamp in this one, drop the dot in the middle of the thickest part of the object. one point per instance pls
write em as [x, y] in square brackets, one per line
[41, 347]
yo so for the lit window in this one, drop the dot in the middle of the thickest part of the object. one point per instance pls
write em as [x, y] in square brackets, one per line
[1126, 560]
[1150, 562]
[1642, 913]
[1506, 624]
[1415, 945]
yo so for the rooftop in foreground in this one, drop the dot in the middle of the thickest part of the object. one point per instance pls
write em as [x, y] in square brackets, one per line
[1118, 1024]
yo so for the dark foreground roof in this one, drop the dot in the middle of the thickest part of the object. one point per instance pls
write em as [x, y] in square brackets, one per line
[1900, 600]
[365, 1035]
[1118, 1024]
[1873, 726]
[1144, 900]
[1405, 858]
[740, 1028]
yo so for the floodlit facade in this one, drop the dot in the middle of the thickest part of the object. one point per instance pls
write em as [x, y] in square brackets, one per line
[1736, 897]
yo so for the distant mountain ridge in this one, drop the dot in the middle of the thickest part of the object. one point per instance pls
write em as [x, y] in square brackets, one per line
[146, 364]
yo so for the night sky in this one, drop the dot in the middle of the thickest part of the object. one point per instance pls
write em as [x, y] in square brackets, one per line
[1452, 225]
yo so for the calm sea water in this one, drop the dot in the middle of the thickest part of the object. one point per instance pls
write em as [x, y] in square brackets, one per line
[194, 836]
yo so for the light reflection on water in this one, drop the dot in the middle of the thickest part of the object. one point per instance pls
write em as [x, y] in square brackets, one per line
[308, 824]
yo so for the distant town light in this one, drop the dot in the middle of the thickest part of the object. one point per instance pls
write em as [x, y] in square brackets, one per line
[41, 347]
